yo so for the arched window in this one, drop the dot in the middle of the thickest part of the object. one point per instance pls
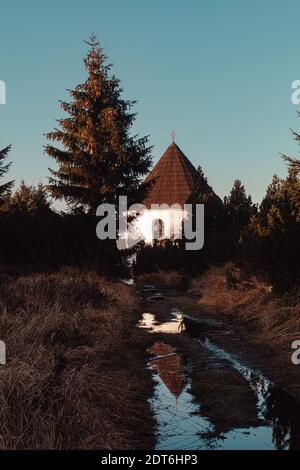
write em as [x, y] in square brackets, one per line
[158, 229]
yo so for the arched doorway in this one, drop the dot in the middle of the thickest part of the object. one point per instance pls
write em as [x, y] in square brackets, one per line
[158, 229]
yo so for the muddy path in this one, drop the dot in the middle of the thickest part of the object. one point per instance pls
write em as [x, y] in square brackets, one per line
[207, 396]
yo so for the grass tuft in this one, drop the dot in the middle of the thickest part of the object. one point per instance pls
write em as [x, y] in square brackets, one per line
[75, 375]
[230, 291]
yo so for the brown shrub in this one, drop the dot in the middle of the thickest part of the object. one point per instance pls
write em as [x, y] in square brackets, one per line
[73, 364]
[166, 278]
[230, 291]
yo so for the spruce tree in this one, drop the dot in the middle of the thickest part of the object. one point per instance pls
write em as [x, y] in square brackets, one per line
[31, 200]
[273, 236]
[203, 193]
[98, 159]
[238, 211]
[5, 189]
[292, 162]
[238, 208]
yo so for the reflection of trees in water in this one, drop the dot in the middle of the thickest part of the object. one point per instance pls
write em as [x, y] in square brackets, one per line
[276, 408]
[283, 411]
[280, 410]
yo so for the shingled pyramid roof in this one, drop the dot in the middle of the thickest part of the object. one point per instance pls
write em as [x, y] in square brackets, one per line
[174, 178]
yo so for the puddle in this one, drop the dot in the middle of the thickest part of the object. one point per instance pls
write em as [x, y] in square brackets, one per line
[157, 297]
[149, 289]
[174, 326]
[172, 404]
[277, 408]
[168, 364]
[183, 421]
[154, 293]
[256, 379]
[129, 282]
[195, 321]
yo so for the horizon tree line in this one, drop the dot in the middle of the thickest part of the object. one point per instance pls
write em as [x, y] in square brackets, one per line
[97, 159]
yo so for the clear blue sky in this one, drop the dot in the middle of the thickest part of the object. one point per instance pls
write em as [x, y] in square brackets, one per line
[218, 72]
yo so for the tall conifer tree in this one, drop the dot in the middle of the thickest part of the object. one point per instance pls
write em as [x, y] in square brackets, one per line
[5, 189]
[98, 158]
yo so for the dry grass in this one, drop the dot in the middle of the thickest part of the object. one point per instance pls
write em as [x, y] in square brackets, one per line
[74, 376]
[227, 290]
[166, 278]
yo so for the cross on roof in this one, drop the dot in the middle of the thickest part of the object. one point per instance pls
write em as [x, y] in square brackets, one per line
[173, 136]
